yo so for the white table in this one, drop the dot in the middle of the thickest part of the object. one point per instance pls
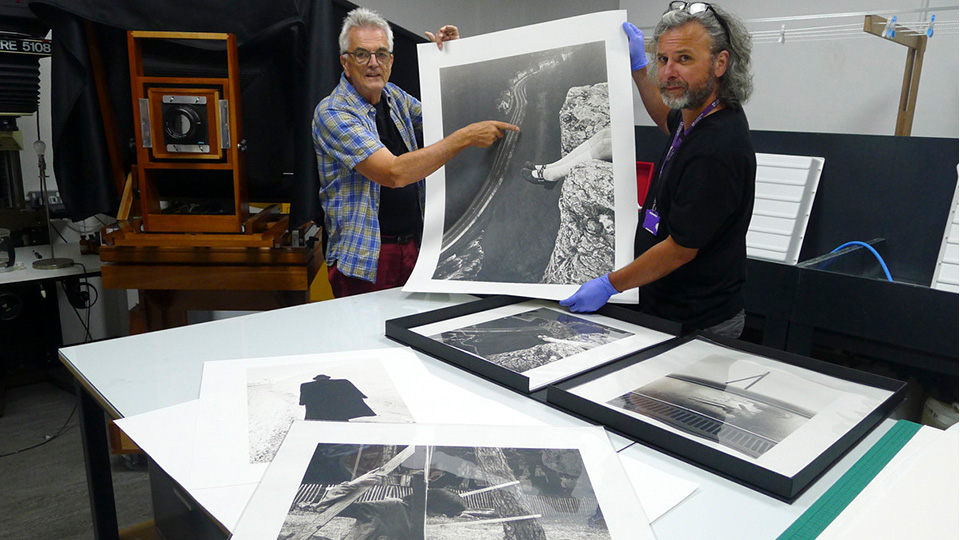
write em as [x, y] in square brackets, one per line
[142, 373]
[28, 254]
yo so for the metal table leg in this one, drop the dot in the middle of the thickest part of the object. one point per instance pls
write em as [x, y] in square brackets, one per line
[96, 457]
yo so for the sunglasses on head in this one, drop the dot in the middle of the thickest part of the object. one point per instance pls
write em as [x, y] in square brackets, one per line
[695, 8]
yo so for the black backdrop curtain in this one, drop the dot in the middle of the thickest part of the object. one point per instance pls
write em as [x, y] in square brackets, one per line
[288, 61]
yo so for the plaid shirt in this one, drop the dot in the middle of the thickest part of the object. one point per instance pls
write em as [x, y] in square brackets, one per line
[344, 134]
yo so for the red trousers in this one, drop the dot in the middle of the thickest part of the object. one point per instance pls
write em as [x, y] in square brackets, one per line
[394, 267]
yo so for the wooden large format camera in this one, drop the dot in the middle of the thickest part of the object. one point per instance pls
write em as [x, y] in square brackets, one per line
[188, 135]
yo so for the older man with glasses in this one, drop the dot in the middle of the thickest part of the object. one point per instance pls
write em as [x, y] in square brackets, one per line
[691, 239]
[371, 166]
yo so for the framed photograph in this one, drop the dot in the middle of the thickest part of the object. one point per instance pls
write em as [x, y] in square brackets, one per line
[529, 344]
[771, 420]
[338, 480]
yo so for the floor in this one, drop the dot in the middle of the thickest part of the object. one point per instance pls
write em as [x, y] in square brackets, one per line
[43, 491]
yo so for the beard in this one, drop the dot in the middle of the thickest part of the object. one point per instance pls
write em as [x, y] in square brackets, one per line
[691, 98]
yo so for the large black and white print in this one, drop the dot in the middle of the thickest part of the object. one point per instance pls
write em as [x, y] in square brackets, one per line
[741, 405]
[336, 480]
[531, 339]
[538, 206]
[553, 205]
[397, 492]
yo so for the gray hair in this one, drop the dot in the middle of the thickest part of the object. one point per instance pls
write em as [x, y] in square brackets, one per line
[363, 18]
[736, 84]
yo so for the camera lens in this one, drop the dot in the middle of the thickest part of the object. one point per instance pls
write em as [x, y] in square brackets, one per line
[180, 122]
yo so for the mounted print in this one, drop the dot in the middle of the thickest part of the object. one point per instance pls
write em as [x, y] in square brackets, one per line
[768, 419]
[249, 404]
[546, 209]
[528, 344]
[334, 480]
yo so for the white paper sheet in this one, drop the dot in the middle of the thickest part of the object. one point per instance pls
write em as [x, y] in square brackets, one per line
[600, 481]
[487, 230]
[658, 491]
[168, 434]
[915, 496]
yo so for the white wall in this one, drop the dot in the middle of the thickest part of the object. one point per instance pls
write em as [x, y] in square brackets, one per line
[846, 85]
[480, 16]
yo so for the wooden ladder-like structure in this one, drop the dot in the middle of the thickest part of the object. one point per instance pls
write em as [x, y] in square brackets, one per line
[916, 44]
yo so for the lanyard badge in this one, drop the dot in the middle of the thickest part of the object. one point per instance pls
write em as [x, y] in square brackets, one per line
[651, 221]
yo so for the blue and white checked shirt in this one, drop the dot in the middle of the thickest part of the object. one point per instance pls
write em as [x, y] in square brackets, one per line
[344, 134]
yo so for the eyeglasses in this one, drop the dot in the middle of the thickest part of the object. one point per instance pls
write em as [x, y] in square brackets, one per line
[363, 56]
[696, 8]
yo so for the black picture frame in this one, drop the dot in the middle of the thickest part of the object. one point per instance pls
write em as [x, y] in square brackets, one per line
[688, 448]
[401, 330]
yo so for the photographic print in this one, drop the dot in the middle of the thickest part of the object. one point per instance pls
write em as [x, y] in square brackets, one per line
[531, 339]
[346, 391]
[444, 493]
[247, 405]
[777, 419]
[497, 227]
[548, 207]
[744, 413]
[537, 340]
[442, 487]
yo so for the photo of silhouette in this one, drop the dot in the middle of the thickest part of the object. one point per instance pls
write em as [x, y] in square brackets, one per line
[343, 391]
[332, 399]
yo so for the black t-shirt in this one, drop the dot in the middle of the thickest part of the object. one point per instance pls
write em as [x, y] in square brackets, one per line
[399, 207]
[705, 201]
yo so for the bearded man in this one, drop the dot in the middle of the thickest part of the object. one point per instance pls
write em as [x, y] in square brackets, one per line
[691, 237]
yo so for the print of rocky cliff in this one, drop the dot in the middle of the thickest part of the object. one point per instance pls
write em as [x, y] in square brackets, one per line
[585, 240]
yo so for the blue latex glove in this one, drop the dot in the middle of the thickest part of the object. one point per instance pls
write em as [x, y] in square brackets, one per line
[638, 55]
[591, 296]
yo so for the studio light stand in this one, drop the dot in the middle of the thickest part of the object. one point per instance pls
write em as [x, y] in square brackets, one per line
[53, 263]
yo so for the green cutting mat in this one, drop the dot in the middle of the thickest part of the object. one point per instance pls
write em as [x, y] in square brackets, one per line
[813, 522]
